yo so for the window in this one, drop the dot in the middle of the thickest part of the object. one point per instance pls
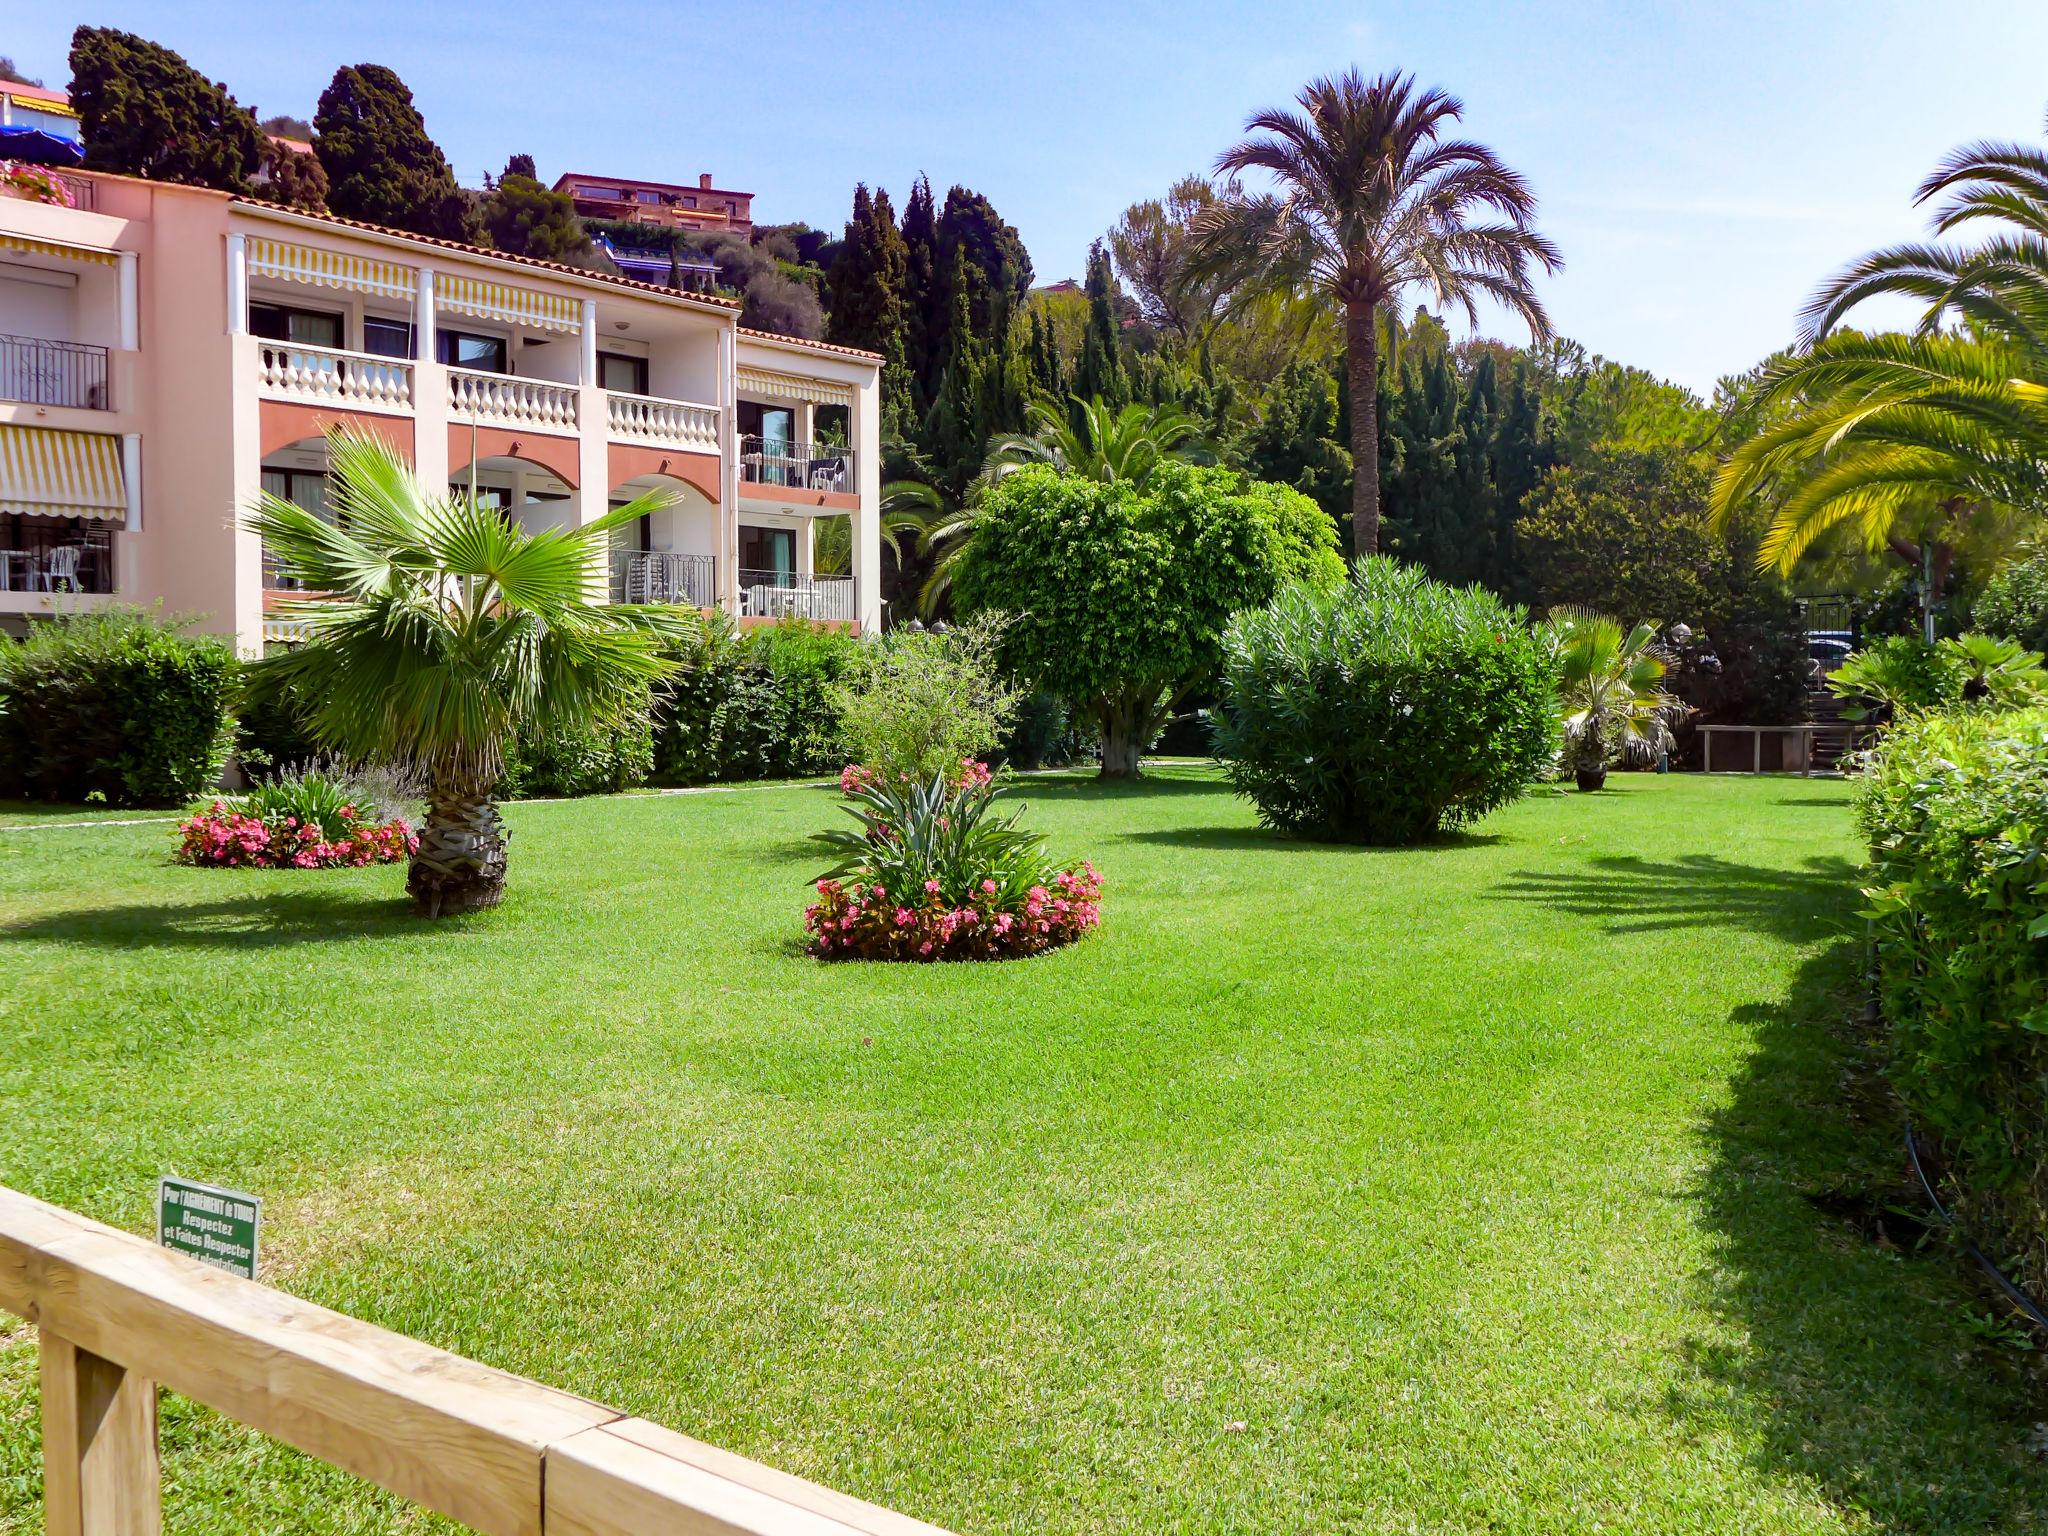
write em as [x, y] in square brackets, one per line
[689, 202]
[465, 349]
[626, 375]
[646, 196]
[307, 327]
[496, 497]
[305, 488]
[732, 209]
[387, 338]
[768, 552]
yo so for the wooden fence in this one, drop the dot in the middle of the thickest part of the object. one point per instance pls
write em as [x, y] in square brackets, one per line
[118, 1316]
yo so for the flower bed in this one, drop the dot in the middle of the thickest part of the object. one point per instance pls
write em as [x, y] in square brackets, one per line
[224, 837]
[931, 876]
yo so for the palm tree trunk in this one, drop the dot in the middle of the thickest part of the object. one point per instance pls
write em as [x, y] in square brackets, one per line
[459, 865]
[1362, 353]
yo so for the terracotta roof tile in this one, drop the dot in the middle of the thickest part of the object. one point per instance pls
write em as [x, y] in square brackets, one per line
[816, 346]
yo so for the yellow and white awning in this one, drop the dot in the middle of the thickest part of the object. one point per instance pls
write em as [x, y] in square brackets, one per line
[789, 386]
[47, 472]
[330, 269]
[507, 302]
[28, 245]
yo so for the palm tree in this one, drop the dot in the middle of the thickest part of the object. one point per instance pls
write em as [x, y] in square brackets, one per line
[442, 630]
[1097, 442]
[1373, 200]
[1611, 686]
[1885, 435]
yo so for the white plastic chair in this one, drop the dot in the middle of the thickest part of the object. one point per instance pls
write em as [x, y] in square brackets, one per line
[61, 573]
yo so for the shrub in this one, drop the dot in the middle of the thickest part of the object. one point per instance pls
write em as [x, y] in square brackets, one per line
[2014, 602]
[1902, 674]
[119, 705]
[1384, 711]
[581, 760]
[931, 875]
[312, 819]
[1041, 734]
[916, 703]
[1955, 807]
[751, 706]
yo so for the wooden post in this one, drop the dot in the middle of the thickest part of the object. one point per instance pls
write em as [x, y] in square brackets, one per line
[100, 1471]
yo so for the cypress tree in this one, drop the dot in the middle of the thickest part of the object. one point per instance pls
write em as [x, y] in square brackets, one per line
[146, 112]
[1100, 373]
[381, 166]
[924, 299]
[868, 276]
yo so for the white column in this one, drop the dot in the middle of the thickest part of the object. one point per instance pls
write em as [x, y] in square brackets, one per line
[588, 374]
[238, 285]
[423, 316]
[807, 549]
[865, 428]
[131, 306]
[131, 479]
[806, 426]
[727, 575]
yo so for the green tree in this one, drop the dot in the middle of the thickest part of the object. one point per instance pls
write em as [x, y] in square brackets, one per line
[1097, 442]
[868, 279]
[292, 177]
[524, 217]
[1151, 243]
[1297, 438]
[998, 269]
[925, 297]
[444, 631]
[1611, 684]
[381, 166]
[1119, 597]
[1622, 532]
[1100, 375]
[1374, 201]
[145, 112]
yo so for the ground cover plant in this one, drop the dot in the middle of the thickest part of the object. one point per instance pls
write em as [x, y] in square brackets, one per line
[1322, 1189]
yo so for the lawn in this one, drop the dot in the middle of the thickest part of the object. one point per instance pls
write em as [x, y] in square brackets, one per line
[1508, 1184]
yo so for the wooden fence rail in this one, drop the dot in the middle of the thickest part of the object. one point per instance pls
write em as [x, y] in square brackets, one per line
[118, 1316]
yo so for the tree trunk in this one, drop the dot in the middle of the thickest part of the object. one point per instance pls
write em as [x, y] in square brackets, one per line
[459, 865]
[1362, 353]
[1126, 723]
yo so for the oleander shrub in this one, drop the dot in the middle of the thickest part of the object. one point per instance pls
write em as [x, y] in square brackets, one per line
[931, 874]
[1955, 808]
[752, 705]
[2014, 602]
[313, 818]
[570, 761]
[1385, 710]
[121, 706]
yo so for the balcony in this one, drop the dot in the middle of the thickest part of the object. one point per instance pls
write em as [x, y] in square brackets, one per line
[53, 372]
[655, 576]
[783, 595]
[797, 466]
[667, 423]
[324, 376]
[55, 555]
[502, 400]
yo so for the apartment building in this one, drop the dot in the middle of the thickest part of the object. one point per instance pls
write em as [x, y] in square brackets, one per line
[662, 203]
[167, 351]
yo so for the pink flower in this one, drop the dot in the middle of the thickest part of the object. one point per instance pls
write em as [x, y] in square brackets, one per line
[931, 887]
[989, 886]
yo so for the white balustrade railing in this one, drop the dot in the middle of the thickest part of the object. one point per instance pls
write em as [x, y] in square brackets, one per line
[325, 376]
[643, 418]
[659, 576]
[501, 400]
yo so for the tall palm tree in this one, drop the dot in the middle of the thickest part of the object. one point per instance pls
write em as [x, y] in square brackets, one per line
[1373, 200]
[442, 629]
[1905, 438]
[1611, 687]
[1098, 442]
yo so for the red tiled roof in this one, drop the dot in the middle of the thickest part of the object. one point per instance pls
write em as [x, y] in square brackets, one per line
[22, 92]
[563, 268]
[641, 181]
[815, 346]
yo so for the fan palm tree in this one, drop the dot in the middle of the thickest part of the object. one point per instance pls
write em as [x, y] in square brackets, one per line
[1611, 686]
[1883, 435]
[1097, 441]
[1373, 200]
[443, 629]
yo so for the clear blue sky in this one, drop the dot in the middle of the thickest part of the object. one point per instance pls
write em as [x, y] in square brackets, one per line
[1702, 165]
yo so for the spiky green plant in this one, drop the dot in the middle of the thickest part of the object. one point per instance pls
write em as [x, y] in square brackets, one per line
[1099, 442]
[1374, 199]
[439, 629]
[1611, 687]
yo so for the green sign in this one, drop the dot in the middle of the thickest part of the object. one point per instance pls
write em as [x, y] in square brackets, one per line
[214, 1226]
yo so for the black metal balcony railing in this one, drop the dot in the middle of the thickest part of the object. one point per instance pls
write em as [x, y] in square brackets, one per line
[55, 555]
[801, 466]
[656, 576]
[53, 372]
[786, 595]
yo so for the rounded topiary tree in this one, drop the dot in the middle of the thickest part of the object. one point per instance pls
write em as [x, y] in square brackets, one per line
[1386, 710]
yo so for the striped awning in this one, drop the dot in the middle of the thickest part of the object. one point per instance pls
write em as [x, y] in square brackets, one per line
[285, 631]
[28, 245]
[330, 269]
[789, 386]
[48, 472]
[505, 301]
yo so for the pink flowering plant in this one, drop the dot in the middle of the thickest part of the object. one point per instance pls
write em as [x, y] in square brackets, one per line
[33, 184]
[932, 875]
[297, 821]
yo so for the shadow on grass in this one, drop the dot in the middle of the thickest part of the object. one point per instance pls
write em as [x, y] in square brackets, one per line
[1270, 841]
[240, 922]
[1854, 1360]
[1631, 894]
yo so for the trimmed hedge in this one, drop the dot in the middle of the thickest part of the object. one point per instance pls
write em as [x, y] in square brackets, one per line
[1385, 711]
[752, 705]
[1955, 807]
[117, 706]
[589, 760]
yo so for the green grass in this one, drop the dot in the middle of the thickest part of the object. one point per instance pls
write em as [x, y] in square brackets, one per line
[1491, 1186]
